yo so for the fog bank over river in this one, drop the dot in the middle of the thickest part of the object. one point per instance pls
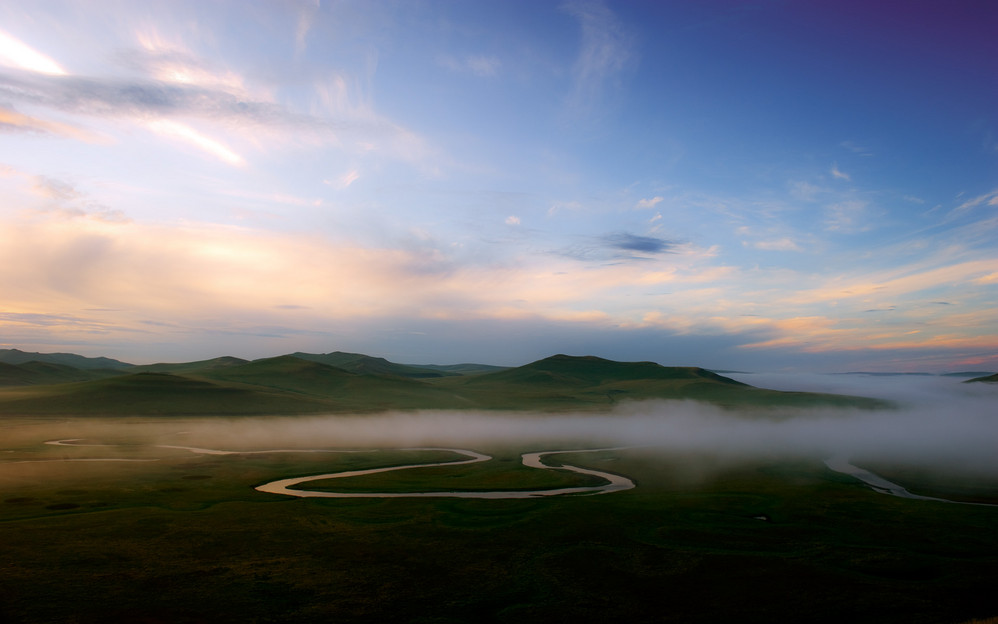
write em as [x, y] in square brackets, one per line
[939, 421]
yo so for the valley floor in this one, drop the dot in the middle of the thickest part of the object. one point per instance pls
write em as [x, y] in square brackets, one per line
[186, 538]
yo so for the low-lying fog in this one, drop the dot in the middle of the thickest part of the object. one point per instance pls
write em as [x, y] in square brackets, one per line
[939, 421]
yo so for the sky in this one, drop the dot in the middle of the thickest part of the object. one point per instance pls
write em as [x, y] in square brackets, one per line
[764, 186]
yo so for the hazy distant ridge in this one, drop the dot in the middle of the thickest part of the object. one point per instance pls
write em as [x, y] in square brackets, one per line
[16, 356]
[311, 383]
[360, 363]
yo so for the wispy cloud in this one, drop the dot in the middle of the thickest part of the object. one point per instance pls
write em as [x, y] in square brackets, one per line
[856, 148]
[780, 244]
[182, 67]
[649, 202]
[563, 206]
[987, 199]
[645, 244]
[482, 66]
[55, 189]
[605, 51]
[848, 217]
[898, 281]
[344, 181]
[111, 97]
[188, 91]
[805, 191]
[838, 174]
[307, 11]
[16, 53]
[63, 200]
[183, 132]
[12, 121]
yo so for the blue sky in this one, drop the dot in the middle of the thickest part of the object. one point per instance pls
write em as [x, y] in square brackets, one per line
[745, 185]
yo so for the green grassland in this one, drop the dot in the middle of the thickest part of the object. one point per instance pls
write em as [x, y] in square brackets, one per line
[182, 536]
[186, 538]
[303, 383]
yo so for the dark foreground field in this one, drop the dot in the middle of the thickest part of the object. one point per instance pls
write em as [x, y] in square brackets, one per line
[186, 538]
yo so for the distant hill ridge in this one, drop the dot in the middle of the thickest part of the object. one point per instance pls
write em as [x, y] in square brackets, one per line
[200, 365]
[35, 373]
[359, 363]
[589, 369]
[16, 356]
[349, 382]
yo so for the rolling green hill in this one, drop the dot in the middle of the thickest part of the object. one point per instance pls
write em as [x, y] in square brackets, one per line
[191, 367]
[570, 382]
[16, 356]
[339, 389]
[466, 368]
[593, 371]
[291, 384]
[39, 373]
[987, 379]
[365, 364]
[281, 385]
[150, 394]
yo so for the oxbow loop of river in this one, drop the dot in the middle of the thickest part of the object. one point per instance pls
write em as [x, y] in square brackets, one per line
[614, 482]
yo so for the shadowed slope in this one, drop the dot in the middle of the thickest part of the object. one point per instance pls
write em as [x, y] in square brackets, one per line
[564, 382]
[466, 368]
[594, 371]
[365, 364]
[38, 373]
[339, 389]
[16, 356]
[200, 366]
[151, 393]
[281, 385]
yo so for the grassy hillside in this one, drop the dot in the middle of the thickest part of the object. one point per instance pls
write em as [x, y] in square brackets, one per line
[339, 389]
[39, 373]
[291, 385]
[567, 382]
[282, 385]
[365, 364]
[466, 368]
[191, 367]
[593, 371]
[151, 394]
[988, 379]
[16, 356]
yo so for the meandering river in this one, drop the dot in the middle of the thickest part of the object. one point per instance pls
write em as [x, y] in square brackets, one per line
[841, 464]
[614, 482]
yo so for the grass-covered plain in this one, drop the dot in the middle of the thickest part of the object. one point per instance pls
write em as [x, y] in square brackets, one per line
[702, 538]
